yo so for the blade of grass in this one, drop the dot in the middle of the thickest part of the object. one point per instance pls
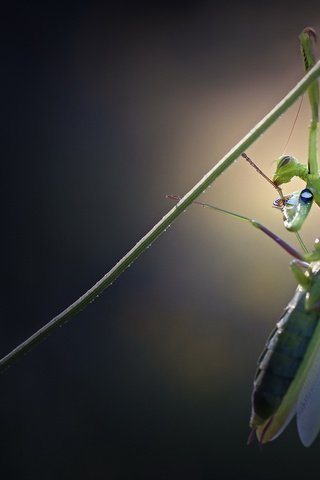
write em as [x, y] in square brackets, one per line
[165, 222]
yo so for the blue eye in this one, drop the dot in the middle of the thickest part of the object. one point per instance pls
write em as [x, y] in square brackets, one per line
[306, 195]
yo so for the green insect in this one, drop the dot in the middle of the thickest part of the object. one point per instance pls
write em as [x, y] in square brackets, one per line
[287, 381]
[296, 206]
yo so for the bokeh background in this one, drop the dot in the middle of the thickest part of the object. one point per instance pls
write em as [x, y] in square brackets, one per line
[106, 108]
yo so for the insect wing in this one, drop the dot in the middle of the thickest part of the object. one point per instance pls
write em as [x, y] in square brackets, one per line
[308, 407]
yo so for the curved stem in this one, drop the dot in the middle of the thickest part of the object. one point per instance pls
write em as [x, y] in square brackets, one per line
[163, 224]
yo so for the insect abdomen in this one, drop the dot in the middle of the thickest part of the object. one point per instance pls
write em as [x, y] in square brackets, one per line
[279, 362]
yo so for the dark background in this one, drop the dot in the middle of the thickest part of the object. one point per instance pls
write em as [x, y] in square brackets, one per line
[106, 107]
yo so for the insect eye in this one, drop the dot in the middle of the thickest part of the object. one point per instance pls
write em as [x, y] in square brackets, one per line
[306, 195]
[283, 161]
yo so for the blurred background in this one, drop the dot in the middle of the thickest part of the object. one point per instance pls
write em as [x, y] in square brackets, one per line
[107, 107]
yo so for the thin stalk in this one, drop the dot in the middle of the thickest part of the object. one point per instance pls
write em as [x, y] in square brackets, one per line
[166, 221]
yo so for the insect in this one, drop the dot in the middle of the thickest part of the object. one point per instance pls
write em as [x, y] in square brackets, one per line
[287, 380]
[296, 206]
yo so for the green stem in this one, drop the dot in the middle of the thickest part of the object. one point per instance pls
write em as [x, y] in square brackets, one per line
[166, 221]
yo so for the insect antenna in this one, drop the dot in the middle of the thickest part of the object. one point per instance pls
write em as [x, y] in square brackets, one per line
[293, 125]
[248, 159]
